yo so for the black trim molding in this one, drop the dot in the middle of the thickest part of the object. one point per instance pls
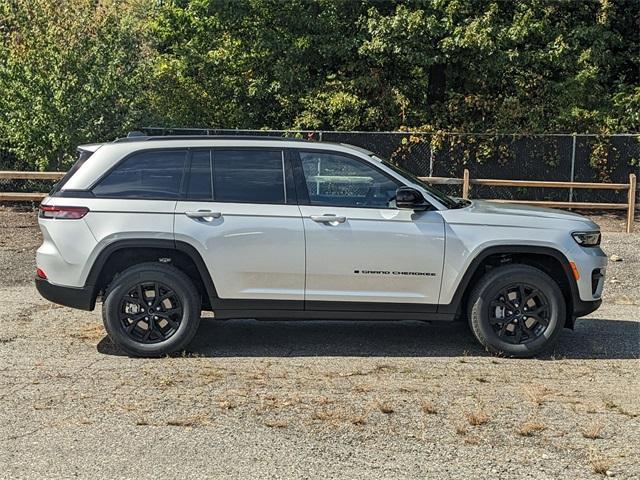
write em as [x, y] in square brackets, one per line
[81, 298]
[84, 298]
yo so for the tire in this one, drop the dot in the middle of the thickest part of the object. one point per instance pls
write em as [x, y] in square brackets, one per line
[506, 327]
[171, 313]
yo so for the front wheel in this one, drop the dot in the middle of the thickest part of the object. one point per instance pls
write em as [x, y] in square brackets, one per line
[517, 311]
[151, 310]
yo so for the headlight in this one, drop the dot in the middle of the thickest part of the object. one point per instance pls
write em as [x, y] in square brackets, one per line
[587, 239]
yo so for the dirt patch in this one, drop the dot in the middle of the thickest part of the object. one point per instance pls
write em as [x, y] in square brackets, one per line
[19, 239]
[251, 399]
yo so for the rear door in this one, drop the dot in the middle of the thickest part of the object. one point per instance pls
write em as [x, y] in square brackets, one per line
[240, 213]
[360, 248]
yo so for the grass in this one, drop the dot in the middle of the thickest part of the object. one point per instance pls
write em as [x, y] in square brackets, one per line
[593, 431]
[600, 465]
[362, 388]
[611, 405]
[212, 373]
[476, 418]
[273, 402]
[429, 408]
[166, 382]
[92, 332]
[461, 430]
[384, 367]
[527, 429]
[359, 420]
[327, 415]
[186, 422]
[225, 404]
[537, 394]
[276, 424]
[193, 421]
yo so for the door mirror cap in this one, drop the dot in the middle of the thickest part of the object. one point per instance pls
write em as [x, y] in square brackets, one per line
[408, 198]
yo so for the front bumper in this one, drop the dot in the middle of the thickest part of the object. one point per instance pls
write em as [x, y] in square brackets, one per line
[81, 298]
[582, 308]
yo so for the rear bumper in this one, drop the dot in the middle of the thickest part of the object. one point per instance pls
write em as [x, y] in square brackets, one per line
[81, 298]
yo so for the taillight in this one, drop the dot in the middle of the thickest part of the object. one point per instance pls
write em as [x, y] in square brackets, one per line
[69, 213]
[40, 273]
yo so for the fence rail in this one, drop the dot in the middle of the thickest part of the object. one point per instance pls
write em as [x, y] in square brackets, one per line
[465, 181]
[629, 206]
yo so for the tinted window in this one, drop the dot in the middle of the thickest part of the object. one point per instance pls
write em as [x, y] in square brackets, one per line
[200, 183]
[81, 157]
[155, 174]
[248, 176]
[338, 180]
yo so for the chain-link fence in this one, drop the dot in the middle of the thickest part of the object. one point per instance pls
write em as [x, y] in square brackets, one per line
[551, 157]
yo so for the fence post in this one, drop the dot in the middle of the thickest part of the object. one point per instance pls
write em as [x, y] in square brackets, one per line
[631, 207]
[573, 166]
[320, 136]
[465, 183]
[431, 161]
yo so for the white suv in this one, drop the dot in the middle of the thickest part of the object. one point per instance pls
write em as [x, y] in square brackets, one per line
[160, 228]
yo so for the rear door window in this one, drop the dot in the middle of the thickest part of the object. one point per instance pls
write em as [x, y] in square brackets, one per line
[249, 176]
[151, 175]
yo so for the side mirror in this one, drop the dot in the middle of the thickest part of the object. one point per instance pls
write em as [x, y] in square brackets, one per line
[408, 198]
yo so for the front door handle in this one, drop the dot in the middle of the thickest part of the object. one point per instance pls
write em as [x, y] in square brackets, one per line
[328, 218]
[203, 214]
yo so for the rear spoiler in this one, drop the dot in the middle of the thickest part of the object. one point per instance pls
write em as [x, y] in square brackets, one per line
[90, 147]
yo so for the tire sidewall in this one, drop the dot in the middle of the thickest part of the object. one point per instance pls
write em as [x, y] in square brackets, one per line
[491, 289]
[124, 283]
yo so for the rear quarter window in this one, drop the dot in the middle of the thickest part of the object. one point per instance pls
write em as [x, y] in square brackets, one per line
[81, 157]
[151, 175]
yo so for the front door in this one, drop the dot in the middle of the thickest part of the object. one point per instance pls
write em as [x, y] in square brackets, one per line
[240, 214]
[361, 249]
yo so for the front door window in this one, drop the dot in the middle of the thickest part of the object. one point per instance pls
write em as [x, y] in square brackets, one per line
[342, 181]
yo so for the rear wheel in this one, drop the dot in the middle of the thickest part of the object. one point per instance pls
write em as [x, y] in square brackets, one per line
[516, 310]
[151, 309]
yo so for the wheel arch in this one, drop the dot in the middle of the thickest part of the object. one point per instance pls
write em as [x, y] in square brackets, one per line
[124, 253]
[547, 259]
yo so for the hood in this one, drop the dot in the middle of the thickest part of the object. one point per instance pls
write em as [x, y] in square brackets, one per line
[484, 212]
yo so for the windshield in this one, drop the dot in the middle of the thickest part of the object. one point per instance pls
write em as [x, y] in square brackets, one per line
[446, 200]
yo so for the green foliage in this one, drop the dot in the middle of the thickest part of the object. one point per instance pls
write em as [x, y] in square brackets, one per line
[73, 71]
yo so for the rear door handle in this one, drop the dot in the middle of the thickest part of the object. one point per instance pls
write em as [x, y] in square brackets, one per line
[328, 218]
[203, 214]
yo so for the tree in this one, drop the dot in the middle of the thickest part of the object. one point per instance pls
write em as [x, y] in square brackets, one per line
[71, 72]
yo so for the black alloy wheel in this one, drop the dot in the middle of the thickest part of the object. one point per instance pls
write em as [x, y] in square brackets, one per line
[151, 309]
[519, 313]
[150, 312]
[516, 310]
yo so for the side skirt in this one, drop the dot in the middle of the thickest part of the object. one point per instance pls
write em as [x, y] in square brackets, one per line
[331, 315]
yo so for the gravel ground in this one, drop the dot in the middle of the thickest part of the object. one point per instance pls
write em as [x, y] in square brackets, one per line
[313, 399]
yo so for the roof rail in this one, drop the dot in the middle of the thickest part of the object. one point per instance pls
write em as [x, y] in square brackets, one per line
[154, 138]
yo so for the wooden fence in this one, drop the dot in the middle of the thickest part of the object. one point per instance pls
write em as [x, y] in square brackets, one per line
[629, 206]
[465, 181]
